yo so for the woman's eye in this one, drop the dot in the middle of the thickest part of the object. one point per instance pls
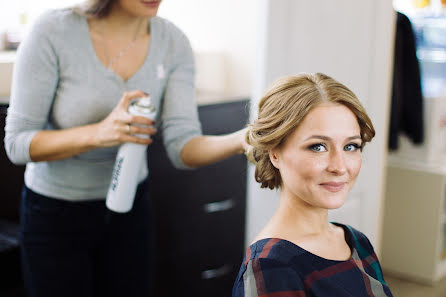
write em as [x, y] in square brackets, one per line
[352, 147]
[318, 147]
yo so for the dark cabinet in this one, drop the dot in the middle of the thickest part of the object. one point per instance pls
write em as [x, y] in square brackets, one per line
[11, 177]
[199, 215]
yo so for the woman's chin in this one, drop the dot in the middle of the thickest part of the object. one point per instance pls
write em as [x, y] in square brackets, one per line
[333, 202]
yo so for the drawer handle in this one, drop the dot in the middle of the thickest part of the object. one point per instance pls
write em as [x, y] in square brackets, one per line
[217, 272]
[219, 206]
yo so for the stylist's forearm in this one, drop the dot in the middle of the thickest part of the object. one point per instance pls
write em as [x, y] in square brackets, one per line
[205, 150]
[61, 144]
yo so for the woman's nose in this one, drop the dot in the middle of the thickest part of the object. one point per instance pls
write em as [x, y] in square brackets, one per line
[336, 163]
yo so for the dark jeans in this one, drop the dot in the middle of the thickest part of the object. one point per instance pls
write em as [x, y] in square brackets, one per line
[81, 249]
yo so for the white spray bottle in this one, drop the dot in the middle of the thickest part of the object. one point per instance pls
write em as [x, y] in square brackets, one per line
[124, 181]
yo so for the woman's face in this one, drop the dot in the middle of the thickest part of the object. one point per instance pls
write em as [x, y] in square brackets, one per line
[139, 8]
[320, 161]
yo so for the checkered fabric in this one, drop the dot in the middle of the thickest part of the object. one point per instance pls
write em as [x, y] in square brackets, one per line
[278, 268]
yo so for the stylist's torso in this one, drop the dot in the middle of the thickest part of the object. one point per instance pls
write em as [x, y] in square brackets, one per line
[70, 87]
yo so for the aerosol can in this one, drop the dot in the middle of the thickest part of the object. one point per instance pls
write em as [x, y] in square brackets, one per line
[129, 159]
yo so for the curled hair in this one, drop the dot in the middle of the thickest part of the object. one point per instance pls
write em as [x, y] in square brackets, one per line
[281, 110]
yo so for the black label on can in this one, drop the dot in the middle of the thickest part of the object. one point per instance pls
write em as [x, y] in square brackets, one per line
[116, 173]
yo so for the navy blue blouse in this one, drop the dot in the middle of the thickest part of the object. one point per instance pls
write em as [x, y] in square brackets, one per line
[278, 268]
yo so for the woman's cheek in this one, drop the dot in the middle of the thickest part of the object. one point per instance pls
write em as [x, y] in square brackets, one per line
[355, 163]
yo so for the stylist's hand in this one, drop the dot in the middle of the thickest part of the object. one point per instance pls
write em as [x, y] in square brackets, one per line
[241, 135]
[247, 149]
[118, 127]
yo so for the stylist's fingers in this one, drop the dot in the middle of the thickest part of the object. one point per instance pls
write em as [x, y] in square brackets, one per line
[240, 139]
[129, 96]
[245, 145]
[135, 139]
[141, 130]
[118, 126]
[140, 120]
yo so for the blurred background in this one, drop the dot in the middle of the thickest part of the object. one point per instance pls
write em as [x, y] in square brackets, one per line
[240, 48]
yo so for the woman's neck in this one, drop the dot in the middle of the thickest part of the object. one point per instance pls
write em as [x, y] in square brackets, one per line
[295, 219]
[119, 22]
[294, 211]
[308, 228]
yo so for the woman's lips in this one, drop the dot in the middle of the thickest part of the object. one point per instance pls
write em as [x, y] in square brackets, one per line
[151, 3]
[333, 186]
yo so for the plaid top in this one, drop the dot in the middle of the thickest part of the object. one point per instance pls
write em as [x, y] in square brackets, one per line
[278, 268]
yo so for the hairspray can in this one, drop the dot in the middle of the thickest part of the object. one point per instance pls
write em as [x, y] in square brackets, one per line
[124, 181]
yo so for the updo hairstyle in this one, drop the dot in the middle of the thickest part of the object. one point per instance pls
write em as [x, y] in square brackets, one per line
[284, 106]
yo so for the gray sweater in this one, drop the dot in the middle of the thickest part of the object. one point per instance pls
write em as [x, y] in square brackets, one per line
[58, 83]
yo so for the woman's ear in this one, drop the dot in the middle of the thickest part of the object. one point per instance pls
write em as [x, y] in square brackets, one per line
[274, 157]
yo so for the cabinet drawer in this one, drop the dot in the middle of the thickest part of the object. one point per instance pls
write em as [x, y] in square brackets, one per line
[191, 232]
[216, 182]
[207, 190]
[199, 274]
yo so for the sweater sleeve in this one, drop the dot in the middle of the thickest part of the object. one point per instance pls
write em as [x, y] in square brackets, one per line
[268, 278]
[180, 121]
[34, 83]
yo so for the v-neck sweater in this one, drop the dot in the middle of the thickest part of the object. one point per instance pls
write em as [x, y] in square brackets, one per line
[59, 83]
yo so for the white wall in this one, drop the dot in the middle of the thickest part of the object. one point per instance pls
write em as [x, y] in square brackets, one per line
[10, 10]
[221, 33]
[220, 27]
[351, 41]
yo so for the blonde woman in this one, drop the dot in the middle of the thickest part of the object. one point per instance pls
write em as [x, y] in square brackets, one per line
[74, 77]
[307, 141]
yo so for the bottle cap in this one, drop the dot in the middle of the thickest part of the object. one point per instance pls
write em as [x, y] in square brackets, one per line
[142, 105]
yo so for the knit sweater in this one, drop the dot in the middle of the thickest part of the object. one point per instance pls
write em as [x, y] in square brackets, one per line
[59, 83]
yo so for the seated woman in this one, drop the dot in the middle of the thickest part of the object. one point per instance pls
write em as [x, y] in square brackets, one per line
[307, 141]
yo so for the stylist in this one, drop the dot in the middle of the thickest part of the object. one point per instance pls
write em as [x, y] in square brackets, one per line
[74, 77]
